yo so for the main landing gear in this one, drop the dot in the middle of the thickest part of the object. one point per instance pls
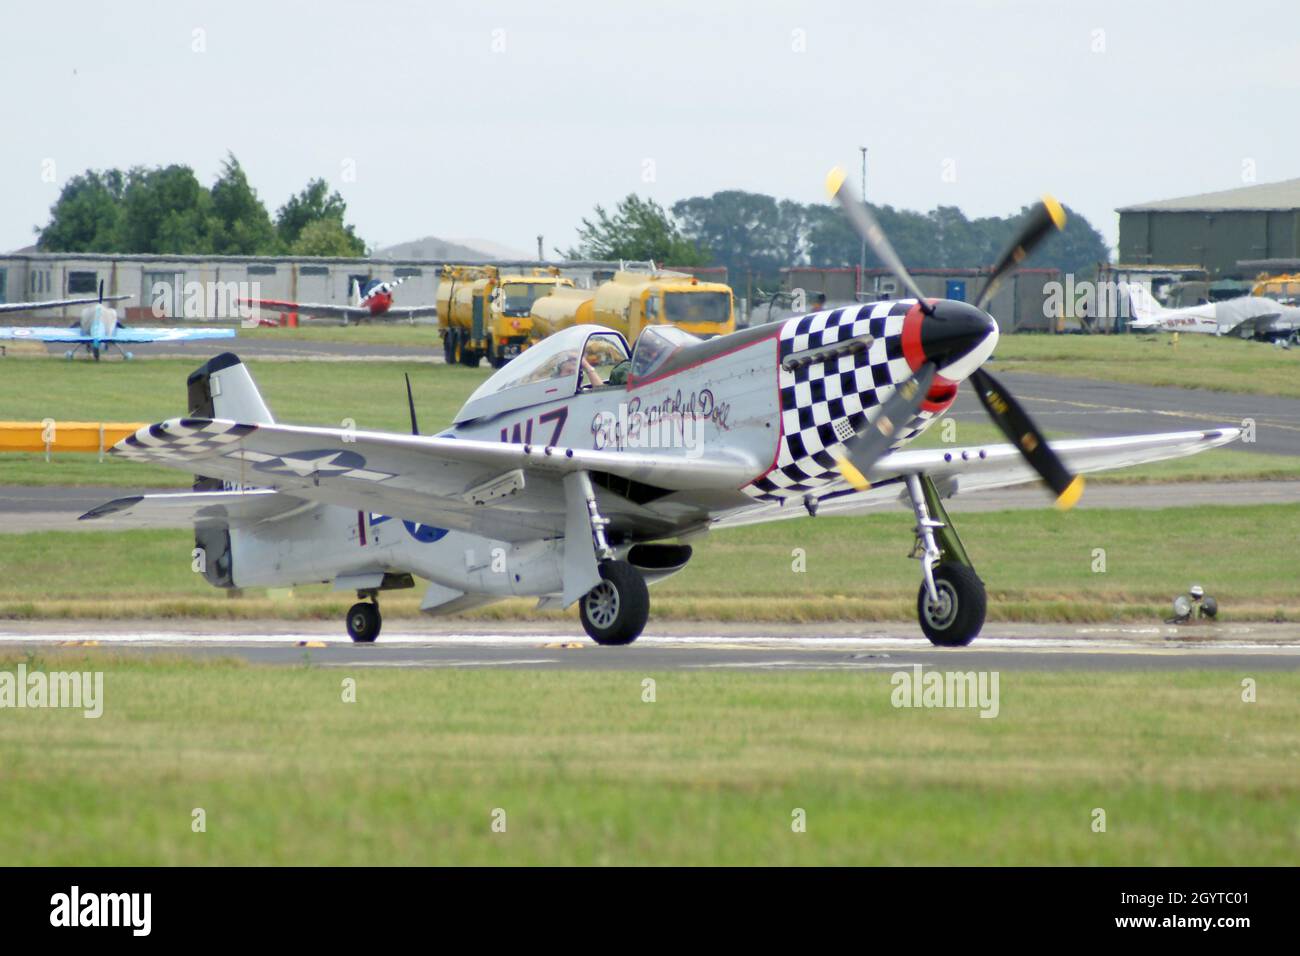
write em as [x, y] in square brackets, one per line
[615, 611]
[364, 619]
[951, 602]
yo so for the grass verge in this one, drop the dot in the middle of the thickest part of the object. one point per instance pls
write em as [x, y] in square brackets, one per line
[585, 772]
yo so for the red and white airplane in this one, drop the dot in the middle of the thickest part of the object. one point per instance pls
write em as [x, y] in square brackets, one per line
[374, 301]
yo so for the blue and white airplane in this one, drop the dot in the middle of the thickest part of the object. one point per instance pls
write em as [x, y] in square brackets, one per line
[98, 329]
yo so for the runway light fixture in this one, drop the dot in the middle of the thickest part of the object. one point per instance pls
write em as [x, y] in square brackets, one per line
[1194, 605]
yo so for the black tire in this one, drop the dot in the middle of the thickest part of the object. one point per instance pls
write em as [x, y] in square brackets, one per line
[963, 601]
[469, 357]
[616, 610]
[364, 622]
[448, 347]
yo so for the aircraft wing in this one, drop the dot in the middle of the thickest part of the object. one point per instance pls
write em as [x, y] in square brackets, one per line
[57, 303]
[200, 508]
[978, 468]
[149, 334]
[406, 312]
[42, 333]
[321, 309]
[56, 333]
[513, 492]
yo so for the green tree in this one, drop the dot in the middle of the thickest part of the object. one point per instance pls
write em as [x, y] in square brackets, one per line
[316, 204]
[639, 229]
[325, 237]
[242, 225]
[166, 209]
[87, 216]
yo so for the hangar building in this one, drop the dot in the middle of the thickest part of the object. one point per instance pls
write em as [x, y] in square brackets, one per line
[1214, 230]
[163, 280]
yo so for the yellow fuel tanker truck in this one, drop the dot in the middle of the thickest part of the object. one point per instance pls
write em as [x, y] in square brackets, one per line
[633, 299]
[484, 312]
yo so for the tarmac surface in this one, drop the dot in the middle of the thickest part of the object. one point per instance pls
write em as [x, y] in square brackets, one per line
[1244, 648]
[1093, 408]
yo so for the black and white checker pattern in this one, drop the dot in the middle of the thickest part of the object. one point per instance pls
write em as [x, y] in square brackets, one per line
[181, 439]
[826, 403]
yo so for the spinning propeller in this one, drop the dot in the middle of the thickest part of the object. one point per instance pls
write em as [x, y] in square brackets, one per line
[948, 331]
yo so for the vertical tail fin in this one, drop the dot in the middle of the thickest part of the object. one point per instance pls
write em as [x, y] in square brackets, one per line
[1143, 304]
[222, 388]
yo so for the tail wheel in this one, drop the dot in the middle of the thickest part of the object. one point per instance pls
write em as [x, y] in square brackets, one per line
[364, 622]
[615, 611]
[956, 618]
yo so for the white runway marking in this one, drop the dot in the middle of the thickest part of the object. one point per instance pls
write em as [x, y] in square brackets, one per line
[1101, 639]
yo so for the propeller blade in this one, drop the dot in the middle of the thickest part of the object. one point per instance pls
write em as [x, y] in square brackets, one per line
[410, 401]
[864, 450]
[1046, 216]
[1016, 424]
[865, 225]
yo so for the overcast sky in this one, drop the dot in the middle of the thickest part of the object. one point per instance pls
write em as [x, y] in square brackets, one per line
[505, 120]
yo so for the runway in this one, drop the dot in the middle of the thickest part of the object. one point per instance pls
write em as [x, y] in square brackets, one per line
[1088, 408]
[1248, 648]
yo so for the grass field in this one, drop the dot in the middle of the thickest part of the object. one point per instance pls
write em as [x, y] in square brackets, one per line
[1198, 361]
[1038, 567]
[587, 773]
[373, 395]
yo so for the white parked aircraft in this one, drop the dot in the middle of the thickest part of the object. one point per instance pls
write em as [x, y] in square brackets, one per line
[1248, 316]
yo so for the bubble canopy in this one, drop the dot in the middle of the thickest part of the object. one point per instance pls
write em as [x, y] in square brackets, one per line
[544, 372]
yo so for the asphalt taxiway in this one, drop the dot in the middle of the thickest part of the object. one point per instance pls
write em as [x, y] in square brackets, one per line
[1247, 648]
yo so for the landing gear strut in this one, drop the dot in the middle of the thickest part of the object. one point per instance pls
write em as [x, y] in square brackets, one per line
[951, 602]
[615, 611]
[364, 620]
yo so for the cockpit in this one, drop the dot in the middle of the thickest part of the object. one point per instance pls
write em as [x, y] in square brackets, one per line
[576, 359]
[654, 347]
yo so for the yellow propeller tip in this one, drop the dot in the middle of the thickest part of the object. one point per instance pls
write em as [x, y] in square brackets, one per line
[1056, 211]
[1071, 495]
[834, 180]
[851, 474]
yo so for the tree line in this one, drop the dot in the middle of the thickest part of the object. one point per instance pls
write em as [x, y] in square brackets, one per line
[759, 234]
[165, 209]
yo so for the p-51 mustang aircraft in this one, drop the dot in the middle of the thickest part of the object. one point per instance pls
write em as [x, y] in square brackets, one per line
[98, 329]
[375, 301]
[581, 472]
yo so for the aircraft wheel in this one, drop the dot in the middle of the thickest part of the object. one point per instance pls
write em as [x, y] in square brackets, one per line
[364, 622]
[68, 355]
[616, 610]
[128, 355]
[959, 615]
[95, 352]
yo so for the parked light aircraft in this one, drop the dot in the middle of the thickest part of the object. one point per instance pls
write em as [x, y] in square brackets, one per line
[98, 329]
[1247, 316]
[564, 480]
[374, 301]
